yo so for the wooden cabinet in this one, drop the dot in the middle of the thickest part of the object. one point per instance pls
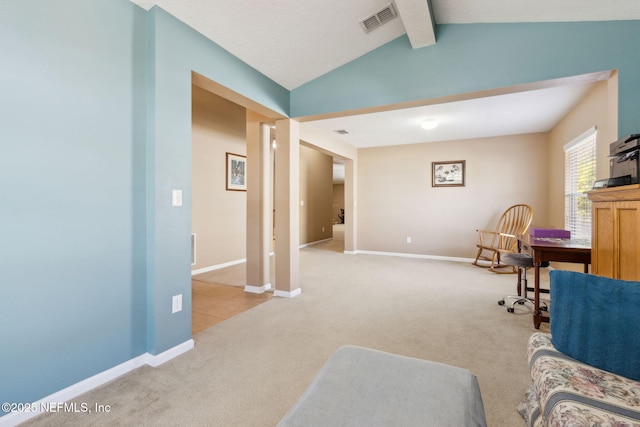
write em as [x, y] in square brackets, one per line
[615, 225]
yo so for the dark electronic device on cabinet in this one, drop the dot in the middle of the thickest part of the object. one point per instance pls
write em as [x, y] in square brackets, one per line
[623, 166]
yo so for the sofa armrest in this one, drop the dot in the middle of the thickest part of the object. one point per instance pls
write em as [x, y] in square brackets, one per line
[568, 392]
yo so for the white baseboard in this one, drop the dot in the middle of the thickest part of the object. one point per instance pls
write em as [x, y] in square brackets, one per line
[257, 289]
[75, 390]
[155, 360]
[317, 242]
[420, 256]
[217, 266]
[223, 265]
[287, 294]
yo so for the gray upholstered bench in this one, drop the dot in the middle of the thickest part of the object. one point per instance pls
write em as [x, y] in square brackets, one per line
[365, 387]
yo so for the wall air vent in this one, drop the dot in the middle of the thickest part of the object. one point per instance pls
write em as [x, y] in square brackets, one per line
[342, 132]
[382, 16]
[193, 248]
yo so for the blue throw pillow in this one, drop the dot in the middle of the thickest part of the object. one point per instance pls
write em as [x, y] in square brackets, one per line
[596, 320]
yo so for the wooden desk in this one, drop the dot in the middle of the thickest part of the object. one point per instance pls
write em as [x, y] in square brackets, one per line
[562, 250]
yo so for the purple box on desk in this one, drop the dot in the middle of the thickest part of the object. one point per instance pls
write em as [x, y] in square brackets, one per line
[552, 233]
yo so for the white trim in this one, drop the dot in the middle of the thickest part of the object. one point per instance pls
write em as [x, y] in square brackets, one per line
[350, 252]
[218, 266]
[304, 245]
[286, 294]
[75, 390]
[223, 265]
[156, 360]
[580, 138]
[257, 289]
[405, 255]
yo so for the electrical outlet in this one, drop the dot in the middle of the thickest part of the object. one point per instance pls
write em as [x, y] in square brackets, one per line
[176, 303]
[323, 229]
[408, 239]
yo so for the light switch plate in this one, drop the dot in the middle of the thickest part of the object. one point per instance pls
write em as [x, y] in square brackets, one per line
[176, 303]
[176, 198]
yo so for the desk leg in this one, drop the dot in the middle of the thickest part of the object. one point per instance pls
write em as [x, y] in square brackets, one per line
[537, 315]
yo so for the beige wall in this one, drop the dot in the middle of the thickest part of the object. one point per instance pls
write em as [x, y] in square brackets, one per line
[316, 195]
[598, 108]
[396, 199]
[218, 215]
[327, 142]
[395, 196]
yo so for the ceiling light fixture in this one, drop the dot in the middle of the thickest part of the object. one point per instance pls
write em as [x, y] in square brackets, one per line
[429, 124]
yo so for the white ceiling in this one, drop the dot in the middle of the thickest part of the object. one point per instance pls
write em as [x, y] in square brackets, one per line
[295, 41]
[510, 114]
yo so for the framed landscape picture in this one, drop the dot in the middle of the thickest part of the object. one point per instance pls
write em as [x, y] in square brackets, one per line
[236, 172]
[448, 174]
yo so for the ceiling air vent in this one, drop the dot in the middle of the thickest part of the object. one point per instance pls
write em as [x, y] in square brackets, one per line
[342, 132]
[382, 16]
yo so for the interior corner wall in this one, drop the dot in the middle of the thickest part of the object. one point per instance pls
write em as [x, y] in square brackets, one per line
[95, 129]
[396, 199]
[329, 144]
[218, 215]
[176, 51]
[316, 195]
[594, 110]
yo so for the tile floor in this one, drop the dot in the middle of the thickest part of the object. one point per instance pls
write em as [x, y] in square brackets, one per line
[213, 303]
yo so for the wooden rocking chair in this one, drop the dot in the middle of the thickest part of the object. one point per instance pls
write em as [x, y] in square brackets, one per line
[514, 221]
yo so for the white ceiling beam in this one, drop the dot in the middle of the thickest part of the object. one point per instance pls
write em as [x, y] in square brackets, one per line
[144, 4]
[418, 21]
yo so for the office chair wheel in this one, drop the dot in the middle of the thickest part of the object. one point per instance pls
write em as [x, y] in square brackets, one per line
[501, 302]
[510, 310]
[520, 302]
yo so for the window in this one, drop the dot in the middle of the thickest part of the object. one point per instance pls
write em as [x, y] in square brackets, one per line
[579, 175]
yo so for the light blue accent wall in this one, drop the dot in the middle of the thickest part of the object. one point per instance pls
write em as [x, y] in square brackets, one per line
[95, 132]
[473, 57]
[71, 126]
[176, 50]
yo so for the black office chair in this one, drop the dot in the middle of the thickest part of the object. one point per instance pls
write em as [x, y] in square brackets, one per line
[522, 262]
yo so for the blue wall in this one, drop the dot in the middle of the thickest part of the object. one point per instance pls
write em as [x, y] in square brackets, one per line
[95, 131]
[72, 300]
[473, 57]
[175, 50]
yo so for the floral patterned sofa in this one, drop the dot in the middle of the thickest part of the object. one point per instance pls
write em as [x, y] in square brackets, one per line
[586, 372]
[566, 392]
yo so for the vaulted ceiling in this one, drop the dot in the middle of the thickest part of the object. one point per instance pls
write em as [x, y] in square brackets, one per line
[295, 41]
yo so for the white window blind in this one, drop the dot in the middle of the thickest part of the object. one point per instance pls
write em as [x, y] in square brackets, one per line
[580, 173]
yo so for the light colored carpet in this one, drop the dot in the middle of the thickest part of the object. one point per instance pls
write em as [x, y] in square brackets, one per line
[250, 369]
